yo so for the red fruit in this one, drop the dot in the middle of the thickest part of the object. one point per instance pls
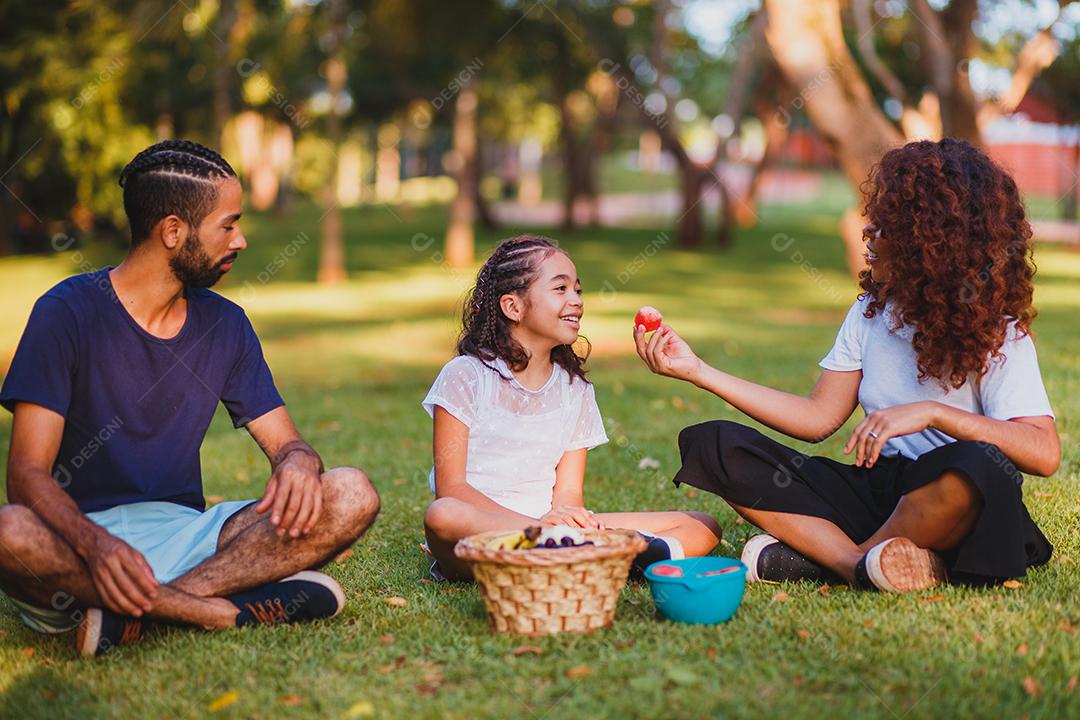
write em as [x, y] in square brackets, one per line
[668, 571]
[650, 317]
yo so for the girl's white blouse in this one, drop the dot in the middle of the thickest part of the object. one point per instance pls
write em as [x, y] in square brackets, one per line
[517, 436]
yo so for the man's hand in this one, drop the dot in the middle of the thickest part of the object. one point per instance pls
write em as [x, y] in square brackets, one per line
[667, 354]
[121, 575]
[876, 428]
[294, 492]
[572, 515]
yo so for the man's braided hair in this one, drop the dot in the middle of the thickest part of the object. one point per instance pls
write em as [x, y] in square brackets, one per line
[485, 334]
[173, 177]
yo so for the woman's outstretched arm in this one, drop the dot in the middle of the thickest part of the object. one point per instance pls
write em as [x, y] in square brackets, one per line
[812, 418]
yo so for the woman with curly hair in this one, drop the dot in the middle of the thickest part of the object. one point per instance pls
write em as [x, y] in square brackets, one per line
[937, 349]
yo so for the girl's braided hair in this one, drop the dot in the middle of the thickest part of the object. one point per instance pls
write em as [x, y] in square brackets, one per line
[173, 177]
[485, 334]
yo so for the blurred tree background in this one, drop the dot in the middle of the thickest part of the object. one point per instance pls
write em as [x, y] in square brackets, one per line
[501, 110]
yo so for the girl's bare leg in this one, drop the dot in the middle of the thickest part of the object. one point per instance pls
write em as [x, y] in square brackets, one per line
[447, 520]
[697, 532]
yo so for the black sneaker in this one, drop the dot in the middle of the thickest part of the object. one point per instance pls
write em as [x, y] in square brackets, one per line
[307, 595]
[899, 565]
[771, 561]
[103, 630]
[659, 548]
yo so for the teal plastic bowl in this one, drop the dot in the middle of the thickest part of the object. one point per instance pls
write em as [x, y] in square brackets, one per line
[696, 598]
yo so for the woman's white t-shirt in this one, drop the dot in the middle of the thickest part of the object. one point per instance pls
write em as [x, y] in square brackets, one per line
[1012, 386]
[517, 436]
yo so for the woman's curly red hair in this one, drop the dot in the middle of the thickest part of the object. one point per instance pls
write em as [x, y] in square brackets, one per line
[957, 249]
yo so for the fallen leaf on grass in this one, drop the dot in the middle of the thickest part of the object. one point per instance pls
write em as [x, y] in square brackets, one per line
[214, 499]
[691, 494]
[291, 700]
[223, 701]
[1022, 649]
[362, 708]
[804, 634]
[1073, 682]
[28, 652]
[398, 662]
[624, 643]
[711, 652]
[1066, 626]
[432, 683]
[528, 650]
[978, 639]
[1013, 584]
[648, 463]
[823, 590]
[682, 676]
[1041, 494]
[868, 623]
[739, 521]
[579, 671]
[399, 481]
[386, 639]
[396, 601]
[780, 597]
[344, 555]
[1032, 686]
[798, 681]
[933, 598]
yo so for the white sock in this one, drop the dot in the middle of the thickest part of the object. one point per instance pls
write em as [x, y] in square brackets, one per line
[676, 548]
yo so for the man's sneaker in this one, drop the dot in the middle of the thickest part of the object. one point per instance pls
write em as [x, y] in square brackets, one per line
[307, 595]
[103, 630]
[660, 547]
[899, 565]
[771, 561]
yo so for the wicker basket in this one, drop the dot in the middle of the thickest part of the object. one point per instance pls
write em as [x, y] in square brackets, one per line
[544, 592]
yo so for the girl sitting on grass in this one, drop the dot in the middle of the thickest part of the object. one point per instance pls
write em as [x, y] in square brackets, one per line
[937, 350]
[514, 417]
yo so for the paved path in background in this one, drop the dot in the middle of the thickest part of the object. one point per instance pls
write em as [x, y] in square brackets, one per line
[617, 209]
[778, 186]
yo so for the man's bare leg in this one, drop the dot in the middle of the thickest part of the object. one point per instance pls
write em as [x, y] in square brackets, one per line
[250, 553]
[37, 566]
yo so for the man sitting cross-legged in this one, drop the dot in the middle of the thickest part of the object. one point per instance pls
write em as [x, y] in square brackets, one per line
[113, 387]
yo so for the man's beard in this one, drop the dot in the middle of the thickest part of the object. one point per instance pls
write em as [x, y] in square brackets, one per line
[194, 268]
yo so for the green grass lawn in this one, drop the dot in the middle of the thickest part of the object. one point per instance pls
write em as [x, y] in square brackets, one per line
[353, 362]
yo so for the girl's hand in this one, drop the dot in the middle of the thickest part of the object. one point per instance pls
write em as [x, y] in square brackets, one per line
[667, 354]
[572, 515]
[871, 434]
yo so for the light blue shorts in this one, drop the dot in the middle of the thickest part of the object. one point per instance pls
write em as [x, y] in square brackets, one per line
[173, 539]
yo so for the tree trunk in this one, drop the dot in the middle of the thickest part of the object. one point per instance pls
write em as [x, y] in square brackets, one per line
[776, 132]
[948, 42]
[332, 247]
[483, 211]
[223, 69]
[691, 220]
[460, 235]
[808, 44]
[571, 160]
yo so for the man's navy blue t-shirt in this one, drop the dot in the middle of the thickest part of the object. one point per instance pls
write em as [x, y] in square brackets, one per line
[136, 407]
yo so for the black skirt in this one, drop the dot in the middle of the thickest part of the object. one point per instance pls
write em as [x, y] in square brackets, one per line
[743, 466]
